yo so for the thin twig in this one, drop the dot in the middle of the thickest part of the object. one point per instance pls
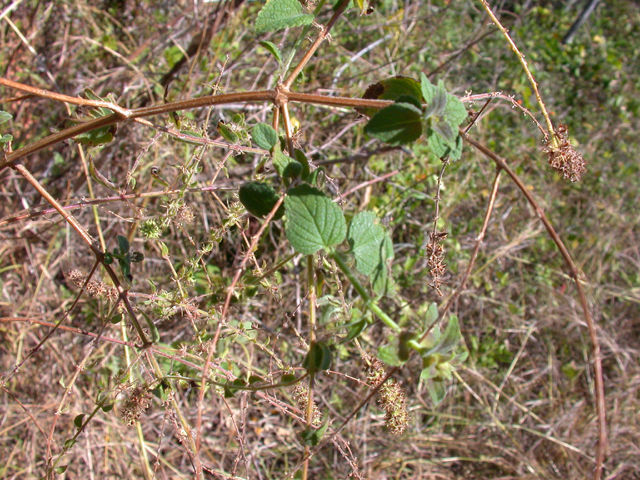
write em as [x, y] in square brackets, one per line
[314, 46]
[525, 66]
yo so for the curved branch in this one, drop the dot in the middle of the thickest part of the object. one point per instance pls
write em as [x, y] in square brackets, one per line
[575, 273]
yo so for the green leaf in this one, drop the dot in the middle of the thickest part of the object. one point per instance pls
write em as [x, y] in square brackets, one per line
[428, 89]
[440, 147]
[273, 49]
[382, 282]
[318, 358]
[259, 199]
[286, 166]
[313, 222]
[226, 132]
[281, 14]
[78, 420]
[445, 343]
[6, 138]
[436, 391]
[393, 88]
[68, 443]
[397, 124]
[389, 354]
[98, 136]
[137, 257]
[438, 102]
[431, 316]
[61, 469]
[373, 249]
[455, 112]
[365, 238]
[5, 117]
[123, 244]
[355, 329]
[107, 408]
[311, 436]
[264, 136]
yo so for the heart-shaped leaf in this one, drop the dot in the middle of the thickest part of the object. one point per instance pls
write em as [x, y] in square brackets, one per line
[259, 199]
[313, 221]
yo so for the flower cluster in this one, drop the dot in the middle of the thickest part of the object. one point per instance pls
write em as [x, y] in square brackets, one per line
[435, 259]
[137, 401]
[94, 288]
[391, 396]
[301, 397]
[564, 158]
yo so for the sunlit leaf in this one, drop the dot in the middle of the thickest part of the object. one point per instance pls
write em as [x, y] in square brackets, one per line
[313, 221]
[280, 14]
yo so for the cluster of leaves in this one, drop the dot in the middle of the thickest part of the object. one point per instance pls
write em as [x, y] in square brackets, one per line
[408, 119]
[124, 257]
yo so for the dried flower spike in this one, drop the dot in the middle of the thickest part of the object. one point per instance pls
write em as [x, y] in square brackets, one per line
[137, 401]
[564, 158]
[435, 259]
[301, 397]
[391, 396]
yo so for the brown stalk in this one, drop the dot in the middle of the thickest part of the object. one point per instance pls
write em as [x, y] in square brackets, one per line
[275, 96]
[314, 46]
[576, 274]
[70, 219]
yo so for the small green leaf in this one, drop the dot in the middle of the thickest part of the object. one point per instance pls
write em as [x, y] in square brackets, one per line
[226, 132]
[382, 282]
[98, 136]
[311, 436]
[78, 420]
[445, 343]
[164, 250]
[318, 358]
[259, 199]
[313, 221]
[289, 379]
[281, 14]
[107, 408]
[355, 329]
[286, 166]
[397, 124]
[432, 315]
[61, 469]
[440, 147]
[5, 117]
[273, 49]
[365, 238]
[264, 136]
[108, 258]
[455, 112]
[436, 391]
[123, 244]
[445, 130]
[438, 101]
[389, 354]
[428, 89]
[137, 257]
[6, 138]
[68, 443]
